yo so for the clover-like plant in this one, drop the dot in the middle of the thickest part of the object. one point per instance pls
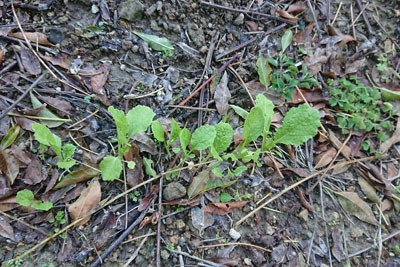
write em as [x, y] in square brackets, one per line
[26, 198]
[137, 120]
[46, 138]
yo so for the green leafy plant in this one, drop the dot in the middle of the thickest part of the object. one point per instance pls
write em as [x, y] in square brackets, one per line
[387, 72]
[26, 198]
[46, 138]
[284, 75]
[137, 120]
[15, 263]
[359, 107]
[157, 43]
[58, 221]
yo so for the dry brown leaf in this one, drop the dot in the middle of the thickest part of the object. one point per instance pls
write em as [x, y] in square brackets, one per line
[297, 7]
[337, 249]
[222, 95]
[61, 105]
[345, 37]
[134, 176]
[304, 36]
[325, 158]
[6, 229]
[34, 37]
[284, 14]
[386, 205]
[225, 208]
[3, 162]
[355, 206]
[315, 61]
[89, 199]
[34, 173]
[61, 61]
[368, 190]
[30, 62]
[13, 165]
[385, 146]
[97, 82]
[346, 151]
[251, 25]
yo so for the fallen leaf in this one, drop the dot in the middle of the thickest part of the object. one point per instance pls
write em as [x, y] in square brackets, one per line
[324, 158]
[225, 208]
[385, 146]
[134, 176]
[201, 219]
[61, 105]
[368, 190]
[45, 113]
[386, 205]
[198, 183]
[6, 229]
[251, 25]
[304, 36]
[145, 143]
[315, 61]
[337, 249]
[34, 37]
[97, 82]
[3, 162]
[77, 176]
[146, 201]
[346, 151]
[9, 139]
[25, 123]
[185, 202]
[34, 173]
[89, 199]
[345, 37]
[355, 206]
[12, 163]
[297, 7]
[284, 14]
[222, 95]
[60, 60]
[30, 62]
[354, 66]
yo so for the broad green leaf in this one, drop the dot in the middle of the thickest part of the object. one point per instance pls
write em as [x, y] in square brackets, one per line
[25, 197]
[253, 125]
[148, 167]
[267, 108]
[158, 131]
[45, 113]
[264, 70]
[203, 137]
[217, 172]
[9, 139]
[241, 112]
[66, 164]
[42, 205]
[111, 168]
[44, 136]
[215, 153]
[131, 164]
[224, 136]
[212, 184]
[299, 125]
[286, 39]
[175, 132]
[239, 170]
[139, 119]
[77, 176]
[119, 119]
[225, 197]
[184, 138]
[155, 42]
[198, 183]
[68, 151]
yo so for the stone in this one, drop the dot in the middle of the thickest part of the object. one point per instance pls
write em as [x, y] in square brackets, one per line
[234, 234]
[239, 19]
[174, 190]
[269, 229]
[131, 10]
[303, 215]
[126, 45]
[164, 254]
[180, 224]
[154, 26]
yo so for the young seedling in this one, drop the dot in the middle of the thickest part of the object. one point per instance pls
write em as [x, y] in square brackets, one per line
[136, 121]
[46, 138]
[26, 198]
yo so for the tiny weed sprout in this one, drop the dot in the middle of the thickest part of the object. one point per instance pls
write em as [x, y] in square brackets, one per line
[137, 120]
[46, 138]
[26, 198]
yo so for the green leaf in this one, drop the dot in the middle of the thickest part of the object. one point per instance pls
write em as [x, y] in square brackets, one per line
[155, 42]
[212, 184]
[286, 39]
[46, 113]
[77, 176]
[25, 197]
[224, 136]
[203, 137]
[139, 119]
[158, 131]
[241, 112]
[267, 108]
[217, 172]
[66, 164]
[225, 197]
[299, 125]
[9, 139]
[148, 167]
[253, 125]
[239, 170]
[131, 164]
[68, 151]
[42, 205]
[44, 136]
[175, 132]
[264, 70]
[184, 138]
[111, 168]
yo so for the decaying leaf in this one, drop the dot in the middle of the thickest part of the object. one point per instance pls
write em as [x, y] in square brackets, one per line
[89, 198]
[45, 113]
[134, 176]
[385, 146]
[61, 60]
[224, 208]
[198, 183]
[34, 173]
[30, 62]
[297, 7]
[34, 37]
[6, 229]
[201, 219]
[77, 176]
[97, 82]
[284, 14]
[345, 37]
[325, 158]
[304, 36]
[337, 249]
[346, 151]
[368, 190]
[12, 166]
[355, 206]
[63, 106]
[222, 95]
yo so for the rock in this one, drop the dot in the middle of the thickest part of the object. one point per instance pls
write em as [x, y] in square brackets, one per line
[269, 229]
[154, 26]
[239, 19]
[196, 34]
[174, 190]
[303, 215]
[151, 9]
[56, 36]
[180, 224]
[164, 254]
[131, 10]
[234, 234]
[95, 9]
[126, 45]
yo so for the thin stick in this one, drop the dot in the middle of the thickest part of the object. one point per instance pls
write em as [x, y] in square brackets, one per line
[196, 258]
[243, 84]
[24, 223]
[229, 51]
[158, 250]
[134, 255]
[138, 237]
[365, 16]
[82, 120]
[22, 96]
[235, 243]
[194, 108]
[38, 118]
[337, 13]
[297, 184]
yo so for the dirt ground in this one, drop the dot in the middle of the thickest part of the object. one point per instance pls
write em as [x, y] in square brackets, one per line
[306, 226]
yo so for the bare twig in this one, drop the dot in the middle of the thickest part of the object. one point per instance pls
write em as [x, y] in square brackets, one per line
[365, 16]
[138, 248]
